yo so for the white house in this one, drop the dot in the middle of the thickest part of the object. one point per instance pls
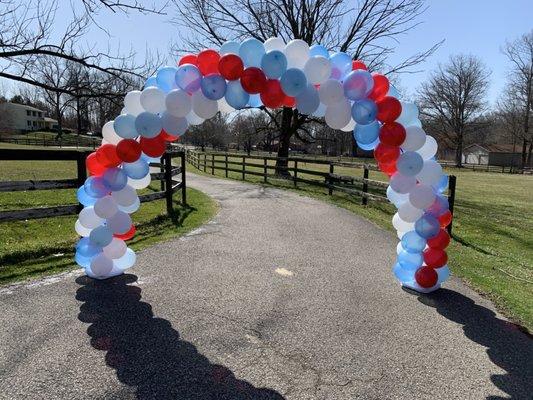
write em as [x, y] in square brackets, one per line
[493, 154]
[20, 117]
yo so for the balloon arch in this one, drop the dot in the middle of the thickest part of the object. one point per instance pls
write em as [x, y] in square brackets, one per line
[270, 74]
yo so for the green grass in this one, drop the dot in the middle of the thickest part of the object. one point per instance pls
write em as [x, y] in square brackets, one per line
[34, 248]
[492, 250]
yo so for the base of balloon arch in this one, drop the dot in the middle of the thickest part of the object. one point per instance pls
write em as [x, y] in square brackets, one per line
[415, 287]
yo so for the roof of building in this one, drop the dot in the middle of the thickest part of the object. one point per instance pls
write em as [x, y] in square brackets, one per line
[47, 119]
[497, 148]
[23, 106]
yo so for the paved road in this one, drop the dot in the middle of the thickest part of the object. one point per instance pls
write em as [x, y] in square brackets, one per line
[279, 297]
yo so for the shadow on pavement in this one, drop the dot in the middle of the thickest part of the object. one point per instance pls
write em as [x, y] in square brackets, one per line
[507, 346]
[147, 353]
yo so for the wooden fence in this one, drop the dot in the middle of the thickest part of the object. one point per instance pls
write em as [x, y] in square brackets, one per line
[167, 172]
[84, 142]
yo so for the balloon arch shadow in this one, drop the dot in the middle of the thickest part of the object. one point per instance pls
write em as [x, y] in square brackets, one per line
[272, 74]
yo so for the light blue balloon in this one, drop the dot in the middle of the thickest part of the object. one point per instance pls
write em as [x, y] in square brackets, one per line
[101, 236]
[213, 86]
[94, 186]
[308, 101]
[368, 146]
[443, 274]
[402, 274]
[83, 262]
[364, 111]
[124, 126]
[149, 159]
[320, 111]
[137, 169]
[318, 50]
[84, 198]
[393, 92]
[126, 261]
[274, 64]
[166, 78]
[409, 163]
[396, 198]
[152, 81]
[412, 242]
[442, 185]
[188, 78]
[148, 125]
[410, 261]
[427, 226]
[230, 46]
[366, 134]
[341, 64]
[293, 82]
[251, 51]
[236, 96]
[87, 249]
[358, 84]
[115, 179]
[255, 101]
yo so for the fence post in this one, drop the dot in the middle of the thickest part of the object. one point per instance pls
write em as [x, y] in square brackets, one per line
[451, 199]
[295, 176]
[330, 188]
[364, 200]
[265, 169]
[205, 162]
[213, 164]
[162, 170]
[243, 167]
[226, 163]
[168, 182]
[183, 181]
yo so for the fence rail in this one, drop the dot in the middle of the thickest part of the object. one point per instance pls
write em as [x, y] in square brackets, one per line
[169, 185]
[44, 142]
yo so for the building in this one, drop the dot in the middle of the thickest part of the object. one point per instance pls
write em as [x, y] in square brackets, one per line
[19, 117]
[493, 154]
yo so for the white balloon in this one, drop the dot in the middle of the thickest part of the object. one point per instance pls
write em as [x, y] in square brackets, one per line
[101, 265]
[153, 100]
[339, 114]
[401, 225]
[125, 197]
[430, 174]
[140, 183]
[105, 207]
[429, 149]
[317, 70]
[178, 103]
[224, 107]
[126, 261]
[409, 213]
[119, 223]
[109, 134]
[414, 139]
[396, 198]
[350, 127]
[331, 92]
[132, 207]
[422, 196]
[81, 230]
[400, 234]
[132, 102]
[194, 119]
[274, 43]
[116, 249]
[89, 219]
[297, 53]
[402, 184]
[202, 106]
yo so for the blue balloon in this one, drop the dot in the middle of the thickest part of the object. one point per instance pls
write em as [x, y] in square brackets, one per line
[87, 249]
[409, 163]
[341, 64]
[148, 125]
[213, 86]
[367, 134]
[368, 146]
[364, 111]
[393, 92]
[255, 101]
[293, 82]
[412, 242]
[251, 51]
[318, 50]
[137, 169]
[308, 101]
[152, 81]
[402, 274]
[230, 46]
[410, 261]
[83, 262]
[427, 226]
[188, 78]
[358, 84]
[101, 236]
[84, 198]
[443, 274]
[124, 126]
[166, 78]
[115, 179]
[236, 96]
[274, 64]
[149, 159]
[94, 186]
[442, 185]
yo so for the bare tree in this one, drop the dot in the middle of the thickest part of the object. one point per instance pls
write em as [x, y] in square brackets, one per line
[365, 29]
[453, 100]
[520, 87]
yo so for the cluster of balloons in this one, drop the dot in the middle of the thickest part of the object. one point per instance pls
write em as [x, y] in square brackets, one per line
[268, 74]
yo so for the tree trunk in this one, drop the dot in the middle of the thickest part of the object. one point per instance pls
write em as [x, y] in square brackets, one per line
[529, 153]
[459, 151]
[524, 153]
[285, 134]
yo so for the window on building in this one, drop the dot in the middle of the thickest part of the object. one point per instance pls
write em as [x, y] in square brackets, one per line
[40, 115]
[34, 113]
[28, 113]
[34, 123]
[29, 123]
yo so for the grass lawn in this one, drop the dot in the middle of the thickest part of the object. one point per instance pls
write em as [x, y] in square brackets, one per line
[34, 248]
[492, 248]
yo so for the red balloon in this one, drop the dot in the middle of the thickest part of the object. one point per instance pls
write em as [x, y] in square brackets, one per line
[381, 87]
[126, 236]
[392, 134]
[389, 108]
[445, 219]
[388, 168]
[189, 59]
[357, 64]
[435, 258]
[289, 102]
[128, 150]
[93, 166]
[386, 154]
[230, 67]
[169, 138]
[153, 147]
[208, 62]
[426, 277]
[272, 96]
[253, 80]
[441, 241]
[107, 155]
